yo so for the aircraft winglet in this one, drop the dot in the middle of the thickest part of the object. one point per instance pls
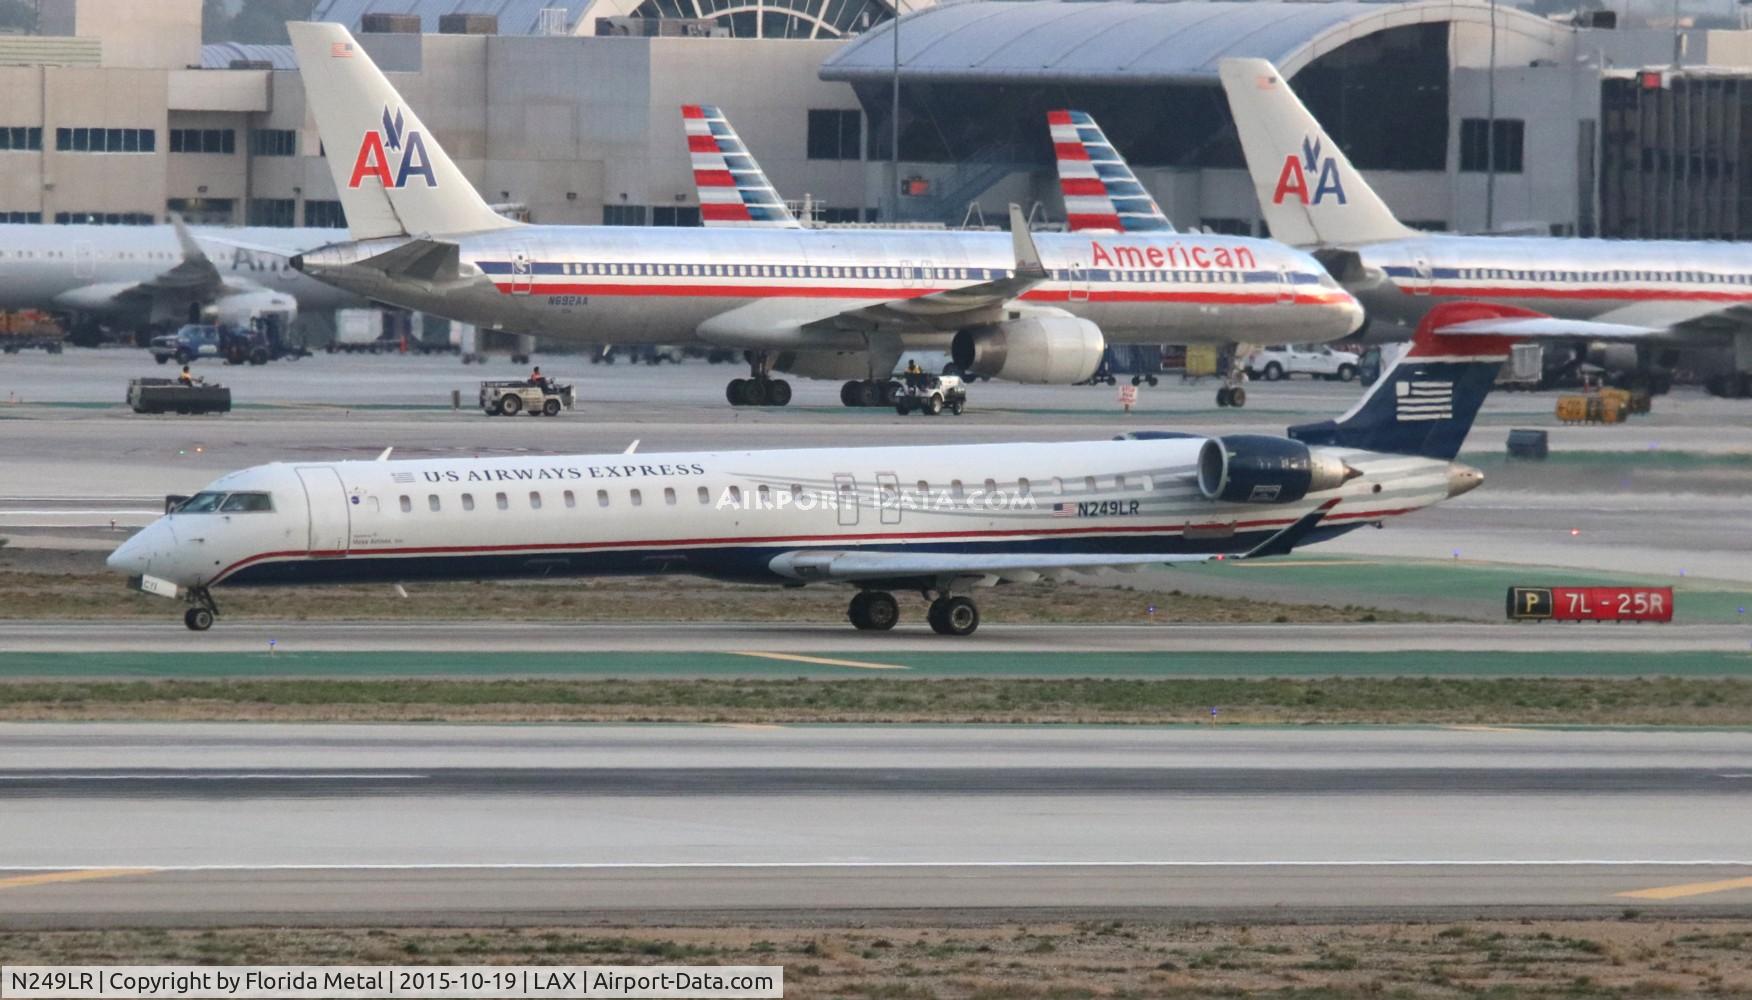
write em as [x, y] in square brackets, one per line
[1027, 254]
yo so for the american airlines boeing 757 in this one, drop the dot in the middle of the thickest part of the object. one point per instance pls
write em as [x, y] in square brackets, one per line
[940, 520]
[820, 303]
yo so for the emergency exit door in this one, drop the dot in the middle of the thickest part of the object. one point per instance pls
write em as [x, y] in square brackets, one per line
[845, 490]
[331, 514]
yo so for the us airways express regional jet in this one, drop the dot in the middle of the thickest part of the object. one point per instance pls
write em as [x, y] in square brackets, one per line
[819, 303]
[936, 520]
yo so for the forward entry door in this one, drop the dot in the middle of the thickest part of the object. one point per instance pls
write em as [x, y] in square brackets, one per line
[888, 497]
[845, 492]
[331, 515]
[522, 271]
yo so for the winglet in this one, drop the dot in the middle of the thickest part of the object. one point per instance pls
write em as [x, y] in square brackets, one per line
[733, 189]
[1027, 255]
[1284, 541]
[186, 239]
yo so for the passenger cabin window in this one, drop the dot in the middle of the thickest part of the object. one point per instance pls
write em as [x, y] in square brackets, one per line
[432, 503]
[735, 494]
[534, 500]
[571, 500]
[705, 495]
[635, 497]
[468, 501]
[669, 495]
[247, 503]
[1089, 483]
[502, 500]
[407, 505]
[1022, 488]
[765, 495]
[602, 498]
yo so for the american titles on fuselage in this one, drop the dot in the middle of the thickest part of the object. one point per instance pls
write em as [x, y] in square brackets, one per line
[1175, 255]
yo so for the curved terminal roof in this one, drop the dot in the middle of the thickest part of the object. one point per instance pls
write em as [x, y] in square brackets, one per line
[220, 55]
[1138, 41]
[516, 17]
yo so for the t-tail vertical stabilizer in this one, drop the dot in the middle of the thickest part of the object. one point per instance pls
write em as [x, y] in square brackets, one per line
[1308, 190]
[1425, 404]
[1101, 192]
[734, 191]
[393, 177]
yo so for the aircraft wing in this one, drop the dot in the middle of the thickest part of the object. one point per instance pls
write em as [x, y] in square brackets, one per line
[825, 565]
[193, 276]
[1671, 322]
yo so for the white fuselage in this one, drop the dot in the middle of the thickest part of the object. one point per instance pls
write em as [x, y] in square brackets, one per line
[597, 284]
[732, 514]
[99, 270]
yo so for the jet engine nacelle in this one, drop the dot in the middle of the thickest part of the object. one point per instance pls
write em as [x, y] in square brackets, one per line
[241, 308]
[1061, 350]
[1614, 357]
[1256, 468]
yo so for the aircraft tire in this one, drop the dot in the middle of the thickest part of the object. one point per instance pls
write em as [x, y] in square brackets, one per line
[778, 392]
[1237, 396]
[869, 393]
[849, 394]
[734, 392]
[873, 611]
[890, 392]
[754, 392]
[198, 619]
[1223, 396]
[953, 616]
[903, 405]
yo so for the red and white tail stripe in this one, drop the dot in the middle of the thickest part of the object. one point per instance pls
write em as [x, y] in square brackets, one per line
[734, 191]
[1101, 192]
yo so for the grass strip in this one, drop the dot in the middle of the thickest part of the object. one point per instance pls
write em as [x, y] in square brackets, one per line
[1658, 701]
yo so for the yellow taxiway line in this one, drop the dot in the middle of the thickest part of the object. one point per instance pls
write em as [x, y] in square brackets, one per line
[823, 661]
[76, 875]
[1690, 889]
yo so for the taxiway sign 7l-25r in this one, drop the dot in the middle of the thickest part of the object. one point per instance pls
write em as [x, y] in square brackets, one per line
[821, 303]
[938, 520]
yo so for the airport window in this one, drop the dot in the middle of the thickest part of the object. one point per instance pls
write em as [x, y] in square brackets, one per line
[203, 211]
[247, 503]
[571, 499]
[273, 142]
[324, 215]
[675, 215]
[669, 495]
[1506, 141]
[21, 218]
[280, 212]
[833, 135]
[534, 500]
[432, 502]
[407, 505]
[203, 140]
[502, 501]
[623, 215]
[19, 138]
[602, 498]
[101, 219]
[468, 501]
[705, 495]
[635, 497]
[105, 140]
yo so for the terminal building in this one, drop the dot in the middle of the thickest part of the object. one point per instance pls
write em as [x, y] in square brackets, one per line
[567, 111]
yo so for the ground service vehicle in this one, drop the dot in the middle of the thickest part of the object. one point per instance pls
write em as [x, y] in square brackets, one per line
[192, 342]
[930, 394]
[509, 398]
[169, 395]
[1319, 361]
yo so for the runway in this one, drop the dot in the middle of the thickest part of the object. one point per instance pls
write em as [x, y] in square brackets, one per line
[217, 824]
[598, 638]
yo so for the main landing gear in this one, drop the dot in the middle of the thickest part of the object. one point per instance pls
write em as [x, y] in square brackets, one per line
[877, 611]
[1234, 390]
[869, 392]
[200, 617]
[760, 388]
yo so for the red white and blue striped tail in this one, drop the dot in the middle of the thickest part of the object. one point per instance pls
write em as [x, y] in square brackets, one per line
[734, 191]
[1101, 192]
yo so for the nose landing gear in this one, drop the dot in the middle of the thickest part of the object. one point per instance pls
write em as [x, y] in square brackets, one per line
[200, 617]
[1234, 391]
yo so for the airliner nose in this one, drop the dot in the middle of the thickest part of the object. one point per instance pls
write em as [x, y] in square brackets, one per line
[133, 557]
[1353, 314]
[1463, 478]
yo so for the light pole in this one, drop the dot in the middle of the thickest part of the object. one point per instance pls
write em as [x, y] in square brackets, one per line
[1490, 130]
[894, 121]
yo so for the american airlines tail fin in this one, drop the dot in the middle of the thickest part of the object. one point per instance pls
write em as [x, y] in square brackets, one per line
[734, 191]
[1308, 190]
[393, 177]
[1425, 404]
[1101, 192]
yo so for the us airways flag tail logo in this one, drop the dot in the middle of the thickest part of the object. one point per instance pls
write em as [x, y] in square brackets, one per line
[395, 141]
[1309, 178]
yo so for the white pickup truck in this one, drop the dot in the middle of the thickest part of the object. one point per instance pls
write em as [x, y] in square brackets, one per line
[1318, 360]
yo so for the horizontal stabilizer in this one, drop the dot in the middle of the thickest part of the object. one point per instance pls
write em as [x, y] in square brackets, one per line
[1549, 328]
[1281, 543]
[422, 260]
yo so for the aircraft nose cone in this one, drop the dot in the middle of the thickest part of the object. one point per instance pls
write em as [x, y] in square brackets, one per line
[133, 557]
[1463, 479]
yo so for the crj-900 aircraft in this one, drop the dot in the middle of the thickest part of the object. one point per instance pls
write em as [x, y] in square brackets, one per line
[1638, 299]
[939, 520]
[821, 303]
[145, 276]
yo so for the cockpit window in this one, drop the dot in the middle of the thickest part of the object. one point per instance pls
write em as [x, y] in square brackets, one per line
[202, 503]
[247, 503]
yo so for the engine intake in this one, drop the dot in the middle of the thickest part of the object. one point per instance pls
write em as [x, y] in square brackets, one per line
[1060, 350]
[1257, 468]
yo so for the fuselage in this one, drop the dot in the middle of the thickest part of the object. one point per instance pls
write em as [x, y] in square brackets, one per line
[728, 514]
[598, 284]
[95, 269]
[1569, 278]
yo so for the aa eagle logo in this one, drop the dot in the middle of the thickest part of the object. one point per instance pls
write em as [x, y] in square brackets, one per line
[375, 149]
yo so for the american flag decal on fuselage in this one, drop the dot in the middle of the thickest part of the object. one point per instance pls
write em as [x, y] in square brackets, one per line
[1424, 400]
[734, 191]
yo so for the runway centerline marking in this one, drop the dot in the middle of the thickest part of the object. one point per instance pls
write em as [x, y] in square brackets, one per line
[77, 875]
[1689, 889]
[823, 661]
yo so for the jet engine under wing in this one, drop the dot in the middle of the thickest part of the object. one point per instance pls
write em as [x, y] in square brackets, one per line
[798, 323]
